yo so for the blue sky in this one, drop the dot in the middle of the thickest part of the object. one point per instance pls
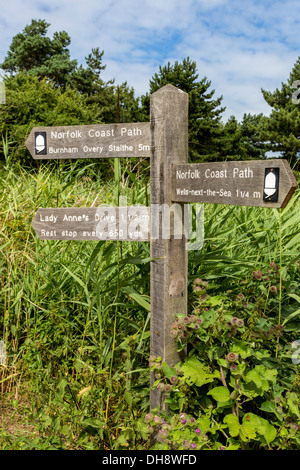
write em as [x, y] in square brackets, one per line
[240, 47]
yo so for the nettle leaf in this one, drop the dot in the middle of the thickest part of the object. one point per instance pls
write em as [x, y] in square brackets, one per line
[217, 353]
[93, 423]
[221, 394]
[242, 349]
[233, 424]
[254, 376]
[168, 371]
[203, 423]
[247, 431]
[253, 425]
[214, 300]
[261, 354]
[261, 376]
[223, 363]
[209, 318]
[268, 374]
[194, 372]
[268, 431]
[61, 387]
[293, 406]
[270, 407]
[122, 440]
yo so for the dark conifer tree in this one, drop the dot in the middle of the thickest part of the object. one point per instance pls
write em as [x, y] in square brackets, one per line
[205, 111]
[281, 129]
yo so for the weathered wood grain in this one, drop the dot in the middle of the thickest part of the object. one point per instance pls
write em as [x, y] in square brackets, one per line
[236, 183]
[90, 141]
[169, 123]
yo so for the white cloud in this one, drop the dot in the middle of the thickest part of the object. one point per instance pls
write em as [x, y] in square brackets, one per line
[240, 46]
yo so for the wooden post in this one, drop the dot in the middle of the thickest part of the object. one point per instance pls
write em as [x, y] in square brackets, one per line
[169, 126]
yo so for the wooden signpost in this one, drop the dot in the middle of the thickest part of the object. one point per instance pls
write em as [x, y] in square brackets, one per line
[262, 183]
[266, 183]
[97, 141]
[168, 277]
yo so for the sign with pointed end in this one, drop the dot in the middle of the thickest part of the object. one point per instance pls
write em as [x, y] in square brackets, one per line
[262, 183]
[93, 141]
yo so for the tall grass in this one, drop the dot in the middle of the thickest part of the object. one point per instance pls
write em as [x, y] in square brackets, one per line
[68, 307]
[75, 315]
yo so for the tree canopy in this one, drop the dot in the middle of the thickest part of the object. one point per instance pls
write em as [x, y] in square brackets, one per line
[34, 52]
[205, 111]
[281, 129]
[45, 87]
[209, 138]
[33, 102]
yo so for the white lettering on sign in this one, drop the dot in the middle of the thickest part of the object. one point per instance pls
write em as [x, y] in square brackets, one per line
[203, 192]
[86, 149]
[131, 132]
[105, 218]
[66, 134]
[76, 218]
[216, 173]
[63, 150]
[48, 233]
[144, 148]
[182, 175]
[245, 173]
[48, 218]
[69, 233]
[101, 133]
[120, 148]
[93, 233]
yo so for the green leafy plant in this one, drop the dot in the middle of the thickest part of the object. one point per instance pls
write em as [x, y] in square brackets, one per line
[233, 391]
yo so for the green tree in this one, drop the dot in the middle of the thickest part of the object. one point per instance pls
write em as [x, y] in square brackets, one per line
[242, 140]
[205, 111]
[281, 129]
[88, 80]
[117, 102]
[33, 52]
[230, 144]
[34, 102]
[255, 147]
